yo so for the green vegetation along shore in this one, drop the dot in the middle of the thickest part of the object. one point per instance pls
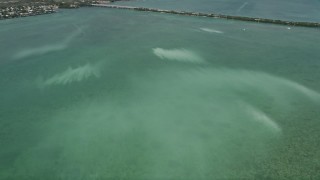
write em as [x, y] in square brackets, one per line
[23, 8]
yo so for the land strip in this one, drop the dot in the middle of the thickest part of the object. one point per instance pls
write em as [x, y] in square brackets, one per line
[213, 15]
[13, 9]
[23, 8]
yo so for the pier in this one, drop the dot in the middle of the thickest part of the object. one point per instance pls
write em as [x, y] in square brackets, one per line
[213, 15]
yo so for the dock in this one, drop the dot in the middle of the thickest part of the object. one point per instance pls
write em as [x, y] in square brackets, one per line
[213, 15]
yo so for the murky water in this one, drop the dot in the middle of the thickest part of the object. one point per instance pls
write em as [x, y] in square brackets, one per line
[100, 93]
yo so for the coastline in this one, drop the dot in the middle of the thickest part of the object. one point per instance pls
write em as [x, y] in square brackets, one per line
[49, 9]
[213, 15]
[27, 15]
[11, 12]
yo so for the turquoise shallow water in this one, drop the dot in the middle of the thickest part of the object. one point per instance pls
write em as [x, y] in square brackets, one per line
[100, 93]
[294, 10]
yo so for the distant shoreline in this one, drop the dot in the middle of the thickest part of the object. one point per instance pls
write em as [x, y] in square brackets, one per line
[48, 9]
[213, 15]
[25, 11]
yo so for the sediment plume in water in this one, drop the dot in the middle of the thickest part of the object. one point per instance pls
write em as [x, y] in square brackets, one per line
[262, 118]
[44, 49]
[211, 30]
[73, 75]
[40, 50]
[181, 55]
[172, 123]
